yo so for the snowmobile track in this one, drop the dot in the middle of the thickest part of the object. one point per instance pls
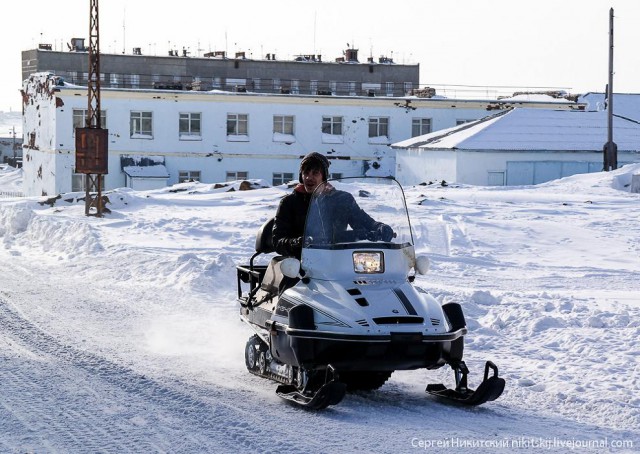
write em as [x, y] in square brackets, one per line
[146, 402]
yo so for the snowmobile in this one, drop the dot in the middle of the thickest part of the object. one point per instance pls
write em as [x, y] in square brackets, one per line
[347, 314]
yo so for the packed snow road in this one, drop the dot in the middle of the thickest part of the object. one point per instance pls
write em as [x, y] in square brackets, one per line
[122, 334]
[77, 379]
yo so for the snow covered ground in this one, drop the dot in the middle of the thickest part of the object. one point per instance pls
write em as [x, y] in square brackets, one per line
[121, 334]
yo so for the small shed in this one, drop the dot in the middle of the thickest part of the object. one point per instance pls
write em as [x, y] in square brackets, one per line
[517, 147]
[144, 178]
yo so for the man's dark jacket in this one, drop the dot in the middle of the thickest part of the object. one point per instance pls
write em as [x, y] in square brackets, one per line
[288, 227]
[290, 218]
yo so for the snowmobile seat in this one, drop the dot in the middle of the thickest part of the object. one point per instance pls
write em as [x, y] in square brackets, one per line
[254, 274]
[264, 238]
[271, 281]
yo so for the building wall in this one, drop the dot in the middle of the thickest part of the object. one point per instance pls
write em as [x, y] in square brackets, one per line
[49, 120]
[418, 165]
[481, 168]
[149, 69]
[40, 164]
[145, 184]
[474, 167]
[264, 153]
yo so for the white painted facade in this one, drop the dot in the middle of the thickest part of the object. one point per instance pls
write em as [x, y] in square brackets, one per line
[215, 156]
[491, 168]
[519, 147]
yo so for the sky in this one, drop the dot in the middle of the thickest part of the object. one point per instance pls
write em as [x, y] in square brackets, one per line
[478, 43]
[122, 333]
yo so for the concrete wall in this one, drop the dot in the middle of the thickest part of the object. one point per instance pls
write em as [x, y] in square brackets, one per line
[262, 153]
[145, 184]
[73, 66]
[414, 166]
[40, 163]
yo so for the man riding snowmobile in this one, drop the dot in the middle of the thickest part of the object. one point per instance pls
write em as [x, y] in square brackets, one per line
[292, 212]
[349, 314]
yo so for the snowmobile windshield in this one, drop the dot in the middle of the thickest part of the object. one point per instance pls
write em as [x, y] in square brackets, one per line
[349, 213]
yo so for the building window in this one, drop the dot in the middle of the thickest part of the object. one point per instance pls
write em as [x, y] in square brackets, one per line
[461, 121]
[390, 86]
[283, 124]
[141, 124]
[190, 125]
[237, 124]
[335, 175]
[420, 126]
[188, 175]
[378, 127]
[79, 180]
[80, 119]
[233, 176]
[352, 88]
[133, 80]
[332, 125]
[280, 178]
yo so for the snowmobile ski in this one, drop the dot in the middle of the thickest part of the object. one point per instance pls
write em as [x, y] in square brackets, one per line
[329, 394]
[490, 389]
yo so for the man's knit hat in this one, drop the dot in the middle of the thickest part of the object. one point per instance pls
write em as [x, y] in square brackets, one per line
[315, 160]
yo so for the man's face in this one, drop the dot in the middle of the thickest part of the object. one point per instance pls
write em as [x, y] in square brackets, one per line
[311, 178]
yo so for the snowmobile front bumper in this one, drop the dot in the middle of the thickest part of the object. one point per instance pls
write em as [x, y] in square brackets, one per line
[313, 349]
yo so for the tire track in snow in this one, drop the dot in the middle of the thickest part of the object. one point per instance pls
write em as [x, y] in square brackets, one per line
[76, 383]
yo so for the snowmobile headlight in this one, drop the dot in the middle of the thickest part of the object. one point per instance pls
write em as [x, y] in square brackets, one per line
[367, 262]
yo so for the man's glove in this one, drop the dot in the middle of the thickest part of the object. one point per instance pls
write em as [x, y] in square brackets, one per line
[385, 233]
[295, 245]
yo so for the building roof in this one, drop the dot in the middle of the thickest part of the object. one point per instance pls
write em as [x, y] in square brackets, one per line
[533, 130]
[624, 104]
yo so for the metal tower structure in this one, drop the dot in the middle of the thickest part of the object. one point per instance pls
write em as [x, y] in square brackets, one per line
[92, 153]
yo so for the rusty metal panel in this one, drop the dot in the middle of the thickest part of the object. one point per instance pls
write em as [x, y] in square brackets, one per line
[92, 151]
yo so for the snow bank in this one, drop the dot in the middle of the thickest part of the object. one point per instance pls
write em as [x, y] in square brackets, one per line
[14, 219]
[547, 277]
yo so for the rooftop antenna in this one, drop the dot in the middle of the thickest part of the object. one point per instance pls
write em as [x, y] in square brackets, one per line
[124, 47]
[315, 15]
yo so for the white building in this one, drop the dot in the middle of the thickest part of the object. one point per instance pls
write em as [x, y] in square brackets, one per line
[624, 104]
[517, 147]
[221, 136]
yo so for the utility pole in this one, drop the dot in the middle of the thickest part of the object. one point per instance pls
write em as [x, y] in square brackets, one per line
[92, 156]
[15, 159]
[610, 149]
